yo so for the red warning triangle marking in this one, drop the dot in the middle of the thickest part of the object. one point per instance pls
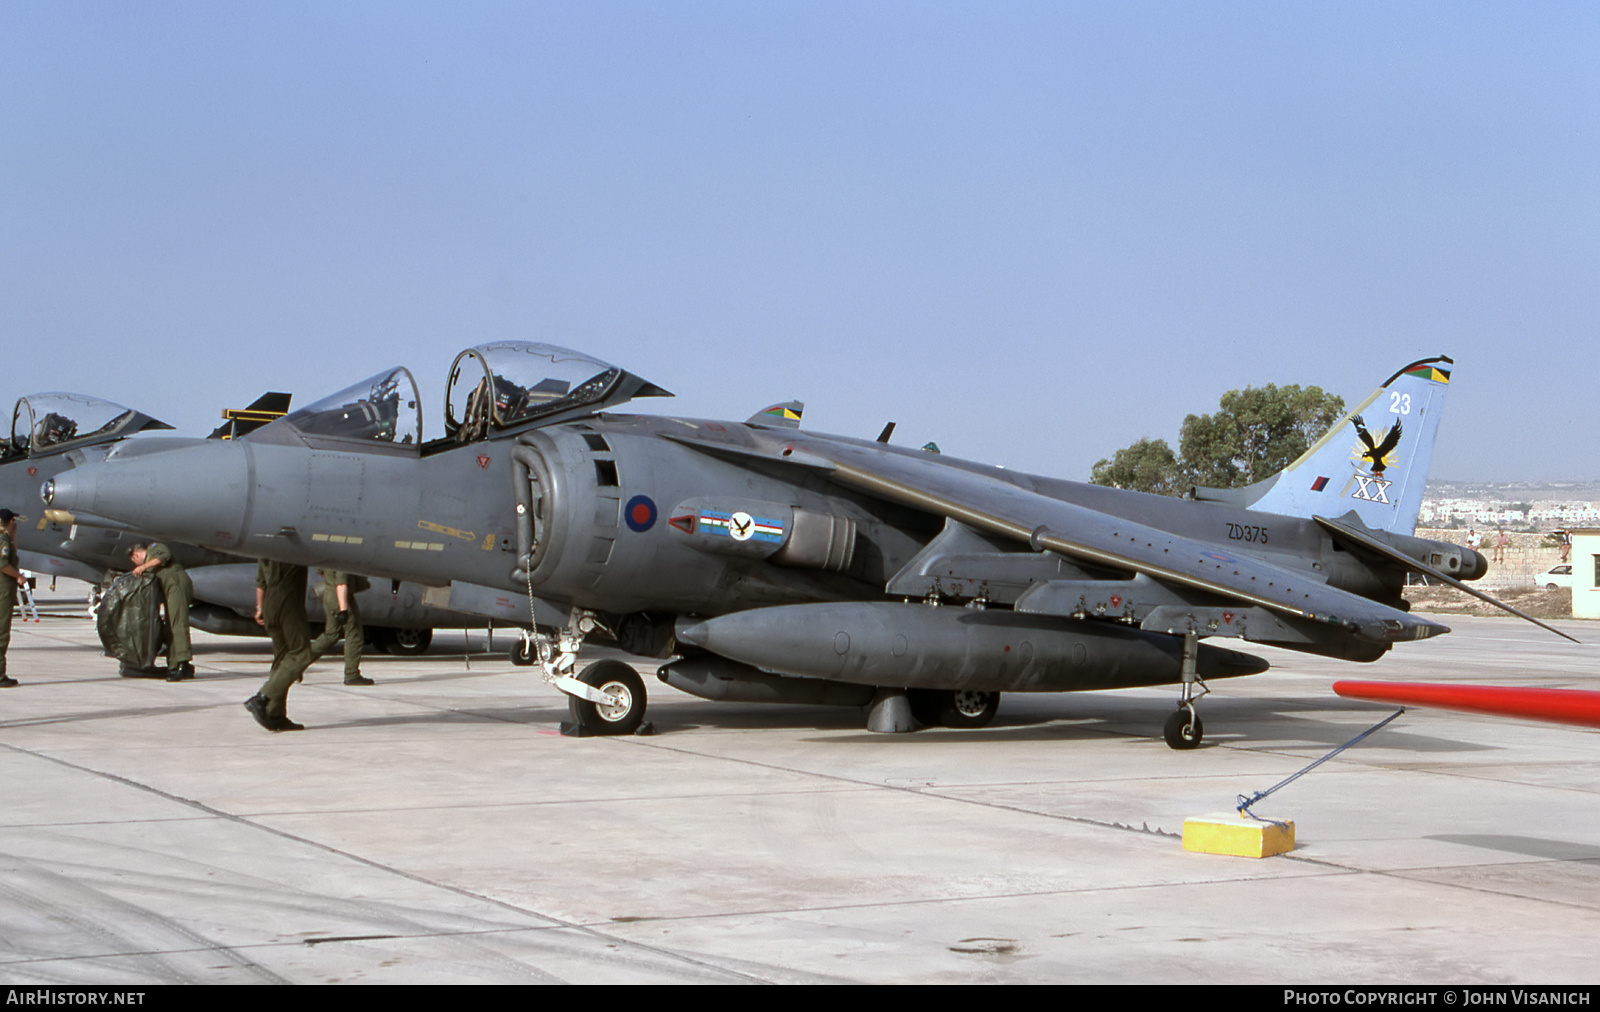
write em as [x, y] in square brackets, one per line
[684, 524]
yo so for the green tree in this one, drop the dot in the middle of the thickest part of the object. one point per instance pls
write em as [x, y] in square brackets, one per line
[1254, 433]
[1257, 432]
[1149, 465]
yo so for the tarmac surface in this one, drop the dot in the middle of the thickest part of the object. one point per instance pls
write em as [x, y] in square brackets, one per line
[437, 828]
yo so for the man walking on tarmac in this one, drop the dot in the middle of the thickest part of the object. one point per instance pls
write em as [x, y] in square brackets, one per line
[281, 607]
[338, 593]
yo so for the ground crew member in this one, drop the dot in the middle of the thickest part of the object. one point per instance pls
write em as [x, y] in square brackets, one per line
[281, 608]
[177, 590]
[338, 596]
[10, 575]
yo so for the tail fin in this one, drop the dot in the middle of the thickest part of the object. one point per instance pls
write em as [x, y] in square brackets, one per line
[1373, 461]
[785, 415]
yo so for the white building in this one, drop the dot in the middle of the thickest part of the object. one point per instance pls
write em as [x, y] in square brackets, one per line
[1586, 572]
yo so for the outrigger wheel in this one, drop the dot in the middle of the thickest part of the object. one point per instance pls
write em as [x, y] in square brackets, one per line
[954, 707]
[1183, 729]
[622, 684]
[409, 642]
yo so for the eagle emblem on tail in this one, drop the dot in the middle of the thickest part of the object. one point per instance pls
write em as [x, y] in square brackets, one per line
[1376, 451]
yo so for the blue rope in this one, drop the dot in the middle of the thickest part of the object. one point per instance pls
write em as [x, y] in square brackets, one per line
[1244, 803]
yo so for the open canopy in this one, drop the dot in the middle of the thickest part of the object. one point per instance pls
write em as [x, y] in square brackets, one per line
[48, 422]
[380, 409]
[510, 383]
[490, 389]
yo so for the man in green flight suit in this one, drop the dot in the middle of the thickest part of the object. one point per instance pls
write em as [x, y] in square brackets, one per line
[10, 575]
[281, 607]
[177, 590]
[338, 593]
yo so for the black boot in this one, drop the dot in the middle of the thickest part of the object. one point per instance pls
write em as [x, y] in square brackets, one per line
[257, 705]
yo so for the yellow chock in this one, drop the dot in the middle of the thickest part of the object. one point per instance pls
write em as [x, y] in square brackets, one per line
[1236, 836]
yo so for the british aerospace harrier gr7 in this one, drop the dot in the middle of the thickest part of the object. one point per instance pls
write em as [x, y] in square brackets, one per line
[765, 562]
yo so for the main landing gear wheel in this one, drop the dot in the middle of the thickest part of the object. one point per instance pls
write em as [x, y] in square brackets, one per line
[621, 683]
[1183, 729]
[409, 642]
[964, 708]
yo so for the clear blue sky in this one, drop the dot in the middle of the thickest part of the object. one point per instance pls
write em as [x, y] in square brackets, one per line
[1031, 232]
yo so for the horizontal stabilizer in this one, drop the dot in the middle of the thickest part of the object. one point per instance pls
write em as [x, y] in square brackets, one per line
[1371, 544]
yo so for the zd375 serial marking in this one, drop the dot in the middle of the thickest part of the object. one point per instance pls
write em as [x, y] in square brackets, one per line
[1246, 532]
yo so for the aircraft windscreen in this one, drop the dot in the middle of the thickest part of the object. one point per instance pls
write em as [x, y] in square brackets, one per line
[43, 422]
[511, 382]
[382, 409]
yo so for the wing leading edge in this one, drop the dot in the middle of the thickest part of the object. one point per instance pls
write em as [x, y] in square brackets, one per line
[998, 507]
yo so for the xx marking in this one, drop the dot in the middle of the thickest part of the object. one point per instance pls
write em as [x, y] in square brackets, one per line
[1372, 489]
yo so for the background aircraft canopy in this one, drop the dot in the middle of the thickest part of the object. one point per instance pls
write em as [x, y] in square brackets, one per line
[509, 383]
[45, 423]
[381, 409]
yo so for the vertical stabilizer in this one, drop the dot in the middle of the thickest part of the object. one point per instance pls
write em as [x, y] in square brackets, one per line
[785, 415]
[1373, 461]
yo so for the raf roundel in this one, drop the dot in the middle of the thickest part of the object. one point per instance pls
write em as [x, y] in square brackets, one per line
[639, 514]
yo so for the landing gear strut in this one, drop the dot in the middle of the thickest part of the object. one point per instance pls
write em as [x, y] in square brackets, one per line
[607, 697]
[1183, 730]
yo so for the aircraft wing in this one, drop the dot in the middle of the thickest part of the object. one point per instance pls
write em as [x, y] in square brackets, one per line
[992, 504]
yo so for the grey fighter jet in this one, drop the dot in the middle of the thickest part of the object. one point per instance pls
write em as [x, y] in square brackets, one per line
[767, 562]
[51, 432]
[54, 432]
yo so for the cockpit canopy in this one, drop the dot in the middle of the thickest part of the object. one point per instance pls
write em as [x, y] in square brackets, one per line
[49, 422]
[380, 409]
[491, 388]
[509, 383]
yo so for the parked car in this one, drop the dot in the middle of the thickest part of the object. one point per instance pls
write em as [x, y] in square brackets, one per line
[1555, 576]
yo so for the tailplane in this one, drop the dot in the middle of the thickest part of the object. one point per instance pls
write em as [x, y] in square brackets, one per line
[1374, 461]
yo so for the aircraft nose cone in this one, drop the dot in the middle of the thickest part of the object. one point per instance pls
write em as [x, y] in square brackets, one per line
[68, 491]
[194, 493]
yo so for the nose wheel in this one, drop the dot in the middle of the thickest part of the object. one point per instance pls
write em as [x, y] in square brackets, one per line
[619, 708]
